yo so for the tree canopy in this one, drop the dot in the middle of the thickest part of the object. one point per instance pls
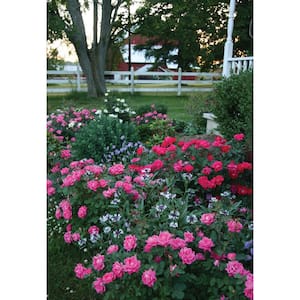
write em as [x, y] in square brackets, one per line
[196, 29]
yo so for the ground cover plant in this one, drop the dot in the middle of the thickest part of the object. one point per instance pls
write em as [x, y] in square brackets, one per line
[174, 221]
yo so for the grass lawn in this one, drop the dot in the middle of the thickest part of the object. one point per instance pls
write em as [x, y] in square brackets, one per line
[176, 104]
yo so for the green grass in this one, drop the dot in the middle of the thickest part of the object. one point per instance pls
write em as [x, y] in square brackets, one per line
[175, 104]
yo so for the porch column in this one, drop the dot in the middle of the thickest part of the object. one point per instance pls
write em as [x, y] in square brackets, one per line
[228, 48]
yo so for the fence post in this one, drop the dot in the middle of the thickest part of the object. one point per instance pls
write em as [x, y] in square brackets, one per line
[179, 82]
[132, 80]
[78, 78]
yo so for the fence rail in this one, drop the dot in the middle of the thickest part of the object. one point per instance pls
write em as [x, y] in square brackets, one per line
[135, 81]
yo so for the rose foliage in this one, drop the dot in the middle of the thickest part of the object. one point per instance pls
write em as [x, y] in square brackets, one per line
[174, 223]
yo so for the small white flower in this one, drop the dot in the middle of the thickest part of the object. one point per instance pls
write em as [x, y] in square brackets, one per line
[160, 207]
[104, 218]
[117, 109]
[174, 224]
[174, 214]
[71, 124]
[118, 233]
[98, 112]
[191, 219]
[107, 229]
[105, 111]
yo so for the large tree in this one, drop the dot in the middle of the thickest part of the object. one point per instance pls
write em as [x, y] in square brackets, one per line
[65, 19]
[197, 29]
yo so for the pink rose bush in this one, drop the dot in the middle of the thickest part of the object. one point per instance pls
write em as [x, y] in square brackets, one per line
[174, 223]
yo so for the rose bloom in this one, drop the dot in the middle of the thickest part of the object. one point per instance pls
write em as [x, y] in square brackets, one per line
[93, 229]
[64, 171]
[149, 277]
[112, 248]
[116, 169]
[163, 238]
[82, 211]
[206, 171]
[81, 271]
[76, 236]
[231, 256]
[234, 267]
[68, 237]
[131, 264]
[234, 226]
[56, 168]
[98, 262]
[177, 243]
[187, 255]
[239, 136]
[206, 244]
[108, 277]
[118, 269]
[99, 286]
[248, 291]
[151, 242]
[188, 237]
[217, 166]
[208, 218]
[65, 154]
[129, 242]
[109, 193]
[139, 150]
[93, 185]
[58, 214]
[188, 168]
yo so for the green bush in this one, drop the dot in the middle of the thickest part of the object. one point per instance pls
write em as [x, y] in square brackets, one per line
[100, 135]
[233, 105]
[195, 107]
[160, 108]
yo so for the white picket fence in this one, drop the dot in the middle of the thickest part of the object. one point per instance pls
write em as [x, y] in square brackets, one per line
[135, 81]
[239, 64]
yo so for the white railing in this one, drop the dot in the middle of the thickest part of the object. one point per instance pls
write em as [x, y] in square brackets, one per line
[239, 64]
[134, 81]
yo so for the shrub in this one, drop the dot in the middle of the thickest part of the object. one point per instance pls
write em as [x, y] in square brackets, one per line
[118, 107]
[175, 223]
[153, 126]
[233, 105]
[160, 108]
[195, 107]
[100, 135]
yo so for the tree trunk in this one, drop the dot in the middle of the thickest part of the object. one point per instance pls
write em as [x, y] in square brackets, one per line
[92, 61]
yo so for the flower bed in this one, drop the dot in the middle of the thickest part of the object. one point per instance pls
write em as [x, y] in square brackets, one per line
[174, 223]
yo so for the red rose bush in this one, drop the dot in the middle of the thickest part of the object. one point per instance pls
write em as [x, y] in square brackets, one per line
[175, 223]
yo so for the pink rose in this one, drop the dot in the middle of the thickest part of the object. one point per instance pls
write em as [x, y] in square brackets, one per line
[151, 242]
[76, 236]
[234, 267]
[108, 277]
[116, 169]
[188, 237]
[99, 286]
[118, 269]
[64, 171]
[112, 248]
[82, 211]
[93, 185]
[177, 243]
[51, 191]
[68, 237]
[248, 291]
[93, 229]
[231, 256]
[206, 244]
[149, 277]
[217, 166]
[98, 262]
[109, 193]
[234, 226]
[164, 238]
[199, 256]
[81, 271]
[58, 214]
[187, 255]
[65, 154]
[131, 264]
[129, 242]
[239, 136]
[208, 218]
